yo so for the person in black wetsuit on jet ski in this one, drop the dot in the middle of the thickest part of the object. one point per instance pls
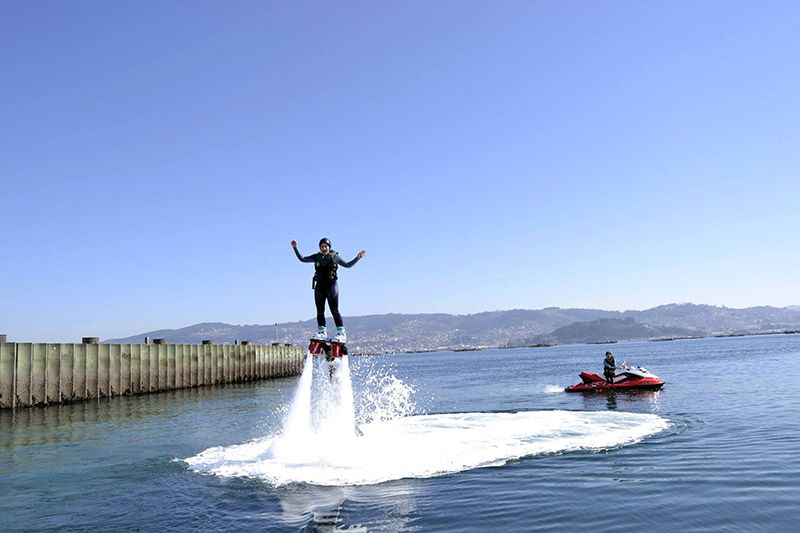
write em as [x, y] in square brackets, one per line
[609, 367]
[326, 262]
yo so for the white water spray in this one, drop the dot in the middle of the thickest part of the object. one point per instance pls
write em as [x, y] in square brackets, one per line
[299, 418]
[323, 399]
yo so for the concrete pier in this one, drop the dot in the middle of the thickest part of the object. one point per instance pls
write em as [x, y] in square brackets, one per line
[42, 374]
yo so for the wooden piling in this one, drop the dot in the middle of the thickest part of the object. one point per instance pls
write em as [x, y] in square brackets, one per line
[53, 377]
[92, 371]
[125, 367]
[136, 368]
[22, 379]
[66, 373]
[38, 368]
[103, 371]
[8, 353]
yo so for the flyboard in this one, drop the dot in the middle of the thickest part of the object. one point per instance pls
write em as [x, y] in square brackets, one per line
[329, 348]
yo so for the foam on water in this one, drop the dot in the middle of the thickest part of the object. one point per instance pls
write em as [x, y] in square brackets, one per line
[319, 443]
[425, 446]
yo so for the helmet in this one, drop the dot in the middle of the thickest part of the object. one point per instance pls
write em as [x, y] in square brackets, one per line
[325, 240]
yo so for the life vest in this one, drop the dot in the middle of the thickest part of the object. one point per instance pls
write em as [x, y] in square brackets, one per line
[325, 268]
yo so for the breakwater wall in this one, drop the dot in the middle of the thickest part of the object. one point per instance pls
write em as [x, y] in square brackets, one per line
[45, 374]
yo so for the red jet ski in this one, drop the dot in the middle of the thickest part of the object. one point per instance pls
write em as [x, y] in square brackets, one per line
[631, 378]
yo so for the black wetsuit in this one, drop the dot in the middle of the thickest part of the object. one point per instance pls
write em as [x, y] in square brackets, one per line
[325, 287]
[609, 367]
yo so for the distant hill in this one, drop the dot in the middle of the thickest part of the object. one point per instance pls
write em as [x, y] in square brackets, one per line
[611, 329]
[718, 320]
[517, 327]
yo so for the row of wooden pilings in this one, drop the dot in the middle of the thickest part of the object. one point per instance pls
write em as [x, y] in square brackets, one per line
[46, 373]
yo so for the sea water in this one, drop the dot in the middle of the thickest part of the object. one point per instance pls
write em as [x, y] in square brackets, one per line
[483, 441]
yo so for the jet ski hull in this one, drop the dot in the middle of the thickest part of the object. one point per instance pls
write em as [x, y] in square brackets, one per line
[591, 382]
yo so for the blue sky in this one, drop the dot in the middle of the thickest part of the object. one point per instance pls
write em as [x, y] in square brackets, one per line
[157, 158]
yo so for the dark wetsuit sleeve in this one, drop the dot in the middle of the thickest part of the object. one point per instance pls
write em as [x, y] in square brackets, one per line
[307, 259]
[346, 264]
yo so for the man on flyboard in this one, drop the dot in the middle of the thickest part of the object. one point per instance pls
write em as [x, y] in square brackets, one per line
[326, 263]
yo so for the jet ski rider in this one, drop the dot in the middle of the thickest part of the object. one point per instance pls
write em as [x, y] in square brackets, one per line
[609, 367]
[326, 262]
